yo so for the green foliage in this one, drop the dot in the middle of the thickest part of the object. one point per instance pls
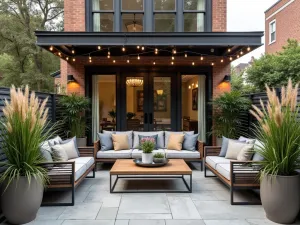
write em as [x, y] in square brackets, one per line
[27, 63]
[238, 83]
[159, 155]
[147, 146]
[228, 109]
[279, 132]
[112, 114]
[274, 70]
[74, 107]
[130, 115]
[23, 128]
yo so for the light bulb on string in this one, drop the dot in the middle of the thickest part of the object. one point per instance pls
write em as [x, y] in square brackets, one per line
[154, 63]
[73, 51]
[185, 55]
[138, 47]
[59, 53]
[173, 58]
[230, 58]
[99, 47]
[242, 52]
[248, 49]
[201, 58]
[238, 56]
[114, 61]
[212, 64]
[123, 49]
[229, 49]
[73, 59]
[172, 63]
[174, 51]
[67, 58]
[222, 60]
[143, 48]
[138, 57]
[156, 51]
[51, 48]
[128, 61]
[193, 63]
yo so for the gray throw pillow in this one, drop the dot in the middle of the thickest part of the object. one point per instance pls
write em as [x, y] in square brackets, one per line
[106, 141]
[75, 143]
[190, 141]
[167, 135]
[160, 138]
[247, 140]
[258, 145]
[46, 155]
[153, 136]
[224, 146]
[54, 141]
[59, 153]
[68, 148]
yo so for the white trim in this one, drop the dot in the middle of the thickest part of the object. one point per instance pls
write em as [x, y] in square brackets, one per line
[270, 41]
[280, 9]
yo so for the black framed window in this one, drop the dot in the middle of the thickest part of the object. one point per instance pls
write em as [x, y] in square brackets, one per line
[164, 15]
[194, 15]
[103, 15]
[132, 15]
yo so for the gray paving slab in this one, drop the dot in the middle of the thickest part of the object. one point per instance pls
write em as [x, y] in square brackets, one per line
[183, 208]
[81, 211]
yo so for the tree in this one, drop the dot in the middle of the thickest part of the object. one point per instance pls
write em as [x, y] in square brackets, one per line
[238, 83]
[275, 69]
[31, 64]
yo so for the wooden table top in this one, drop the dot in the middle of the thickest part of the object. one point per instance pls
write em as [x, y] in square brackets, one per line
[128, 167]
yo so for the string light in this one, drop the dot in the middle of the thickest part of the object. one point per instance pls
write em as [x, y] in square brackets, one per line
[123, 49]
[229, 50]
[67, 58]
[242, 52]
[99, 47]
[248, 49]
[108, 54]
[138, 57]
[222, 60]
[156, 51]
[230, 58]
[238, 56]
[73, 51]
[138, 47]
[51, 48]
[185, 55]
[59, 53]
[128, 61]
[74, 59]
[172, 63]
[201, 58]
[212, 64]
[143, 48]
[114, 61]
[173, 58]
[154, 63]
[193, 63]
[174, 51]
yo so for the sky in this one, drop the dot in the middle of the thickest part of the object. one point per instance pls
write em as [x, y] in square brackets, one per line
[247, 15]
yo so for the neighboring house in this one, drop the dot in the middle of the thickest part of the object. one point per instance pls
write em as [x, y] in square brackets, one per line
[162, 60]
[282, 21]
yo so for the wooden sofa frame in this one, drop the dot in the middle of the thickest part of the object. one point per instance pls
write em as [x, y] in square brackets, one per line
[239, 178]
[200, 148]
[62, 175]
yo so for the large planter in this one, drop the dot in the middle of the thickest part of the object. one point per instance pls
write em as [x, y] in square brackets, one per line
[147, 158]
[20, 201]
[81, 142]
[280, 197]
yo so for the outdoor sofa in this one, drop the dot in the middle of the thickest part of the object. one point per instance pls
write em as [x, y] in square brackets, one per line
[110, 155]
[67, 175]
[235, 174]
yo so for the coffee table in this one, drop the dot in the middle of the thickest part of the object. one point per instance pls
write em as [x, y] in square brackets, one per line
[126, 169]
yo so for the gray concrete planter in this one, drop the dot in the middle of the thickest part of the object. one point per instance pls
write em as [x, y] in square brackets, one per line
[280, 198]
[21, 200]
[81, 142]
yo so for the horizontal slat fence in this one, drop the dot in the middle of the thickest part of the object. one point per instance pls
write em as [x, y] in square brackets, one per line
[55, 111]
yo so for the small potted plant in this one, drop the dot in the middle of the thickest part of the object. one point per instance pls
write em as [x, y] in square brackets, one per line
[112, 114]
[130, 115]
[147, 145]
[159, 157]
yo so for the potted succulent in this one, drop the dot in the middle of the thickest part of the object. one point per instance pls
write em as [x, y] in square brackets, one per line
[227, 118]
[159, 157]
[23, 128]
[279, 131]
[74, 109]
[147, 145]
[113, 115]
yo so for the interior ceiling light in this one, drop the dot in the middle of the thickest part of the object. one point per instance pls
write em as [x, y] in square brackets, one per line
[134, 82]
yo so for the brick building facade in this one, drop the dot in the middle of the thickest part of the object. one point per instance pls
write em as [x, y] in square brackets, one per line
[284, 16]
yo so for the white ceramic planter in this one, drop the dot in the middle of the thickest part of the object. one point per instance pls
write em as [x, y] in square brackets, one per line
[147, 158]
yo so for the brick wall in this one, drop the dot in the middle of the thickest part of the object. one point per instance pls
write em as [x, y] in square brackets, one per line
[219, 15]
[287, 24]
[74, 15]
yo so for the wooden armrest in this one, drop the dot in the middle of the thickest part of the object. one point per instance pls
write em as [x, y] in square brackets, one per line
[200, 148]
[96, 148]
[244, 173]
[87, 151]
[212, 150]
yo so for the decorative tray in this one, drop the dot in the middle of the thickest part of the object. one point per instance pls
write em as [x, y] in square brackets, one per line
[139, 162]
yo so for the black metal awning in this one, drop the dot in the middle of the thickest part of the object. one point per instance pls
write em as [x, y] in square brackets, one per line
[208, 43]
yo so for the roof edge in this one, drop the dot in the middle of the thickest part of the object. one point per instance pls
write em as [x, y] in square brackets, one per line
[272, 6]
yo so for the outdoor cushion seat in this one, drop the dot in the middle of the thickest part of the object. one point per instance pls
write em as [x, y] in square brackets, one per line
[183, 154]
[137, 153]
[214, 160]
[80, 169]
[224, 170]
[112, 154]
[87, 161]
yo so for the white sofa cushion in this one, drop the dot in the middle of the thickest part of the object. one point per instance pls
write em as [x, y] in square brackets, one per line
[224, 170]
[112, 154]
[214, 160]
[88, 161]
[160, 138]
[80, 169]
[137, 153]
[183, 154]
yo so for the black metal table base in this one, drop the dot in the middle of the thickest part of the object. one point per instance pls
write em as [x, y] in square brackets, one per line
[137, 177]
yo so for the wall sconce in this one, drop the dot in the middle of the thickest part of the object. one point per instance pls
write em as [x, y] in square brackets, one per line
[71, 79]
[197, 85]
[160, 92]
[227, 79]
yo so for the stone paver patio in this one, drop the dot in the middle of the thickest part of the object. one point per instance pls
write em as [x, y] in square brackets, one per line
[207, 205]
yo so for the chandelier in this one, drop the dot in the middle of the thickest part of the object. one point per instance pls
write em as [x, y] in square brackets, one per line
[134, 82]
